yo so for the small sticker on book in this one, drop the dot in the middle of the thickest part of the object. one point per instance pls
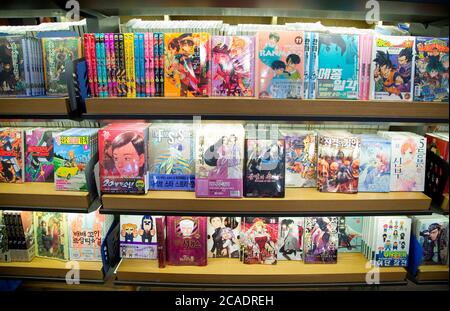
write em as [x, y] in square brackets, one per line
[235, 193]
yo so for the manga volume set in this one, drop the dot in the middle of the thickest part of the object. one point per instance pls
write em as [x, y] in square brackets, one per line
[18, 236]
[138, 236]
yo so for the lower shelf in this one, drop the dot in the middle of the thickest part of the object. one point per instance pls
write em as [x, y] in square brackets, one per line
[350, 269]
[51, 269]
[432, 273]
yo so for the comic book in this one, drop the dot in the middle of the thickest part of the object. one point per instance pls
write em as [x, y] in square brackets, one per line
[260, 237]
[219, 160]
[375, 164]
[57, 52]
[265, 168]
[122, 87]
[290, 238]
[321, 239]
[337, 66]
[12, 73]
[431, 69]
[86, 234]
[301, 158]
[338, 162]
[20, 235]
[392, 241]
[438, 143]
[51, 235]
[128, 42]
[186, 64]
[138, 236]
[89, 54]
[123, 158]
[186, 240]
[392, 75]
[11, 155]
[233, 66]
[171, 157]
[432, 234]
[281, 64]
[224, 236]
[350, 234]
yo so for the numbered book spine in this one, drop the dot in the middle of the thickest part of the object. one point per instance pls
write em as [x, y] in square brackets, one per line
[314, 45]
[156, 64]
[113, 73]
[306, 68]
[108, 64]
[161, 62]
[136, 64]
[142, 63]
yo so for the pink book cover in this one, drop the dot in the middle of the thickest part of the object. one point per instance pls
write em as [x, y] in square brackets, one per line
[94, 64]
[280, 64]
[219, 160]
[368, 65]
[361, 65]
[108, 63]
[87, 53]
[152, 64]
[112, 58]
[147, 64]
[186, 241]
[233, 66]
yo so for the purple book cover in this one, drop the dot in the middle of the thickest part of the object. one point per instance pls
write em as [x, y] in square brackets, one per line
[186, 240]
[39, 155]
[233, 66]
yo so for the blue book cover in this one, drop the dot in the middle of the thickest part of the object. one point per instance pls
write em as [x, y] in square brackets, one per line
[337, 66]
[142, 64]
[306, 78]
[350, 234]
[375, 164]
[313, 55]
[137, 53]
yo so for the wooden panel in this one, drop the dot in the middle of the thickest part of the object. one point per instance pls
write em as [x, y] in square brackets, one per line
[432, 273]
[34, 106]
[444, 205]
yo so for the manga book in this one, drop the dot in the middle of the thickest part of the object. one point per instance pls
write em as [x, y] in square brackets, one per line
[11, 155]
[431, 69]
[5, 253]
[281, 64]
[290, 238]
[338, 162]
[392, 241]
[321, 239]
[219, 153]
[138, 236]
[233, 66]
[392, 76]
[265, 168]
[19, 235]
[432, 234]
[301, 159]
[224, 237]
[439, 145]
[375, 164]
[171, 157]
[186, 64]
[337, 66]
[12, 70]
[161, 241]
[350, 234]
[260, 236]
[51, 235]
[186, 240]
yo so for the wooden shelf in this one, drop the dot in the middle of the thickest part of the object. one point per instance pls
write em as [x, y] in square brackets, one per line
[50, 269]
[297, 201]
[351, 268]
[34, 107]
[43, 196]
[430, 273]
[444, 205]
[248, 108]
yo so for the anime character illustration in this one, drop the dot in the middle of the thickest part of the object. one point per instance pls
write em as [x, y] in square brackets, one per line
[128, 150]
[260, 242]
[434, 240]
[136, 236]
[350, 232]
[290, 237]
[11, 160]
[129, 232]
[147, 231]
[387, 78]
[390, 249]
[301, 159]
[39, 155]
[51, 237]
[223, 237]
[12, 74]
[375, 165]
[321, 239]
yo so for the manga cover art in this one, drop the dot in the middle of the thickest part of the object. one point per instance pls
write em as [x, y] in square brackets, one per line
[12, 71]
[219, 160]
[321, 239]
[350, 234]
[290, 238]
[260, 240]
[393, 68]
[392, 241]
[301, 159]
[51, 238]
[431, 73]
[264, 172]
[338, 66]
[338, 162]
[375, 164]
[138, 237]
[39, 155]
[57, 53]
[11, 155]
[187, 64]
[233, 66]
[171, 157]
[223, 237]
[186, 240]
[433, 238]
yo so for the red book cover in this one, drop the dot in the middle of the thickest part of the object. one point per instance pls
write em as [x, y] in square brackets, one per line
[440, 146]
[161, 241]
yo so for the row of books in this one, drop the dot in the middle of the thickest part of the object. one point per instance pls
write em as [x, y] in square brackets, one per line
[71, 236]
[218, 159]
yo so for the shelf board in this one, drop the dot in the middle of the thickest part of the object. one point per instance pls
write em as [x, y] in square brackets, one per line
[50, 269]
[297, 201]
[43, 196]
[432, 273]
[350, 269]
[445, 201]
[274, 109]
[34, 107]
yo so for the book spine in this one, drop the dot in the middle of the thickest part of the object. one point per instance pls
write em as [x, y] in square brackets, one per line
[152, 64]
[122, 76]
[87, 55]
[136, 64]
[113, 73]
[142, 63]
[306, 65]
[314, 44]
[129, 64]
[108, 65]
[147, 64]
[26, 66]
[161, 241]
[161, 62]
[156, 63]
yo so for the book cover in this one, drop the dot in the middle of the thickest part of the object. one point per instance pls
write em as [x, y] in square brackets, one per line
[301, 159]
[392, 241]
[290, 238]
[219, 154]
[186, 240]
[138, 237]
[260, 240]
[171, 157]
[350, 234]
[223, 236]
[39, 155]
[265, 168]
[438, 145]
[337, 66]
[393, 68]
[161, 241]
[11, 155]
[51, 235]
[321, 240]
[431, 69]
[12, 73]
[432, 235]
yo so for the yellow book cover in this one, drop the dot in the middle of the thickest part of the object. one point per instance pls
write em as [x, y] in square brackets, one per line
[129, 64]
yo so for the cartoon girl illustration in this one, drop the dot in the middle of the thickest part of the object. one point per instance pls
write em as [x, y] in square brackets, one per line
[260, 239]
[234, 161]
[289, 239]
[129, 232]
[408, 152]
[321, 237]
[229, 243]
[220, 157]
[147, 231]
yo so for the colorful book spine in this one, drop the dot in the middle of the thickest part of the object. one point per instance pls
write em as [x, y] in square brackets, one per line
[130, 64]
[151, 54]
[121, 73]
[156, 64]
[313, 55]
[307, 62]
[137, 55]
[108, 64]
[88, 56]
[161, 62]
[161, 241]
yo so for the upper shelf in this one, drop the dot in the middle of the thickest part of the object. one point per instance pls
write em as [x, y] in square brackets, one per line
[34, 107]
[271, 109]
